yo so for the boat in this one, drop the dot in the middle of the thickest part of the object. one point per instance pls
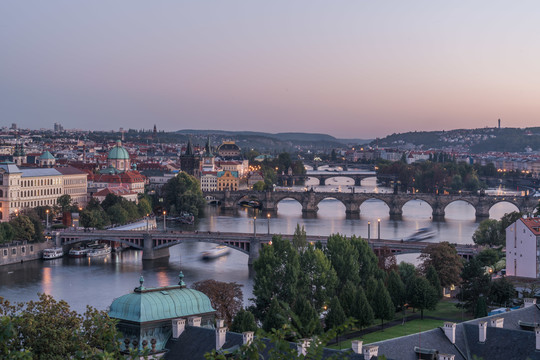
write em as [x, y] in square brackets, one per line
[53, 253]
[214, 253]
[421, 234]
[102, 249]
[78, 252]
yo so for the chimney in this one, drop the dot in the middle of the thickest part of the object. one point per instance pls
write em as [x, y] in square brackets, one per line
[220, 323]
[446, 357]
[537, 332]
[482, 330]
[529, 302]
[450, 331]
[370, 351]
[247, 337]
[178, 326]
[497, 322]
[194, 321]
[357, 346]
[221, 334]
[303, 346]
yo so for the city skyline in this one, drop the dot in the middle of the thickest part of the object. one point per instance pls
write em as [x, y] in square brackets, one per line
[351, 70]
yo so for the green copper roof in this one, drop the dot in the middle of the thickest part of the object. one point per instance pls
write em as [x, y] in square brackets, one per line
[169, 302]
[118, 152]
[46, 156]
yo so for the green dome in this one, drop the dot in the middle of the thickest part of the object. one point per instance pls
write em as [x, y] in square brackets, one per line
[160, 304]
[46, 156]
[118, 152]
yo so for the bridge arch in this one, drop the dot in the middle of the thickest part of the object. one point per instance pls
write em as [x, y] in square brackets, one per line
[332, 180]
[421, 206]
[499, 208]
[460, 209]
[323, 203]
[297, 207]
[133, 244]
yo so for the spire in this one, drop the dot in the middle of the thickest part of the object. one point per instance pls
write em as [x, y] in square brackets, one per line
[189, 149]
[141, 287]
[207, 148]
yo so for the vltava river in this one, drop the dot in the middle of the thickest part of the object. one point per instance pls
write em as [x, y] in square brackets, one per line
[97, 281]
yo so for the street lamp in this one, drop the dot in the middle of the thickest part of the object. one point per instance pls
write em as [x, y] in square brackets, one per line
[268, 217]
[379, 229]
[369, 230]
[254, 226]
[164, 221]
[47, 211]
[147, 222]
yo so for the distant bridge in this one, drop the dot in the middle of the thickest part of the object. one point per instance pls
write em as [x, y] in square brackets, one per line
[155, 244]
[310, 200]
[291, 180]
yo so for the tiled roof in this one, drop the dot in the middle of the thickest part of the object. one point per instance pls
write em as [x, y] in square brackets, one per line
[533, 224]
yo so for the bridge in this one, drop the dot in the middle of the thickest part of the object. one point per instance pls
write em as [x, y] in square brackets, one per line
[309, 200]
[155, 244]
[291, 180]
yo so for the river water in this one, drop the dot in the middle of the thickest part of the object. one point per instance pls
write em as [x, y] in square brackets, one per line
[97, 281]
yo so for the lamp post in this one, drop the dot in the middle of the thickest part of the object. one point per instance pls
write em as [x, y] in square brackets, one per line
[254, 226]
[369, 230]
[268, 217]
[164, 221]
[47, 211]
[147, 222]
[378, 229]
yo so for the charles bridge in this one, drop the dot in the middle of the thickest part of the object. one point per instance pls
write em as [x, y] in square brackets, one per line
[155, 244]
[269, 200]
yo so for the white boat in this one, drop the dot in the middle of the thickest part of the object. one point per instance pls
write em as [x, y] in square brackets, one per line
[53, 253]
[216, 252]
[103, 249]
[77, 252]
[421, 234]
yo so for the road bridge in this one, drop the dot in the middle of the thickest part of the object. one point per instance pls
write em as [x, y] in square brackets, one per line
[310, 200]
[155, 244]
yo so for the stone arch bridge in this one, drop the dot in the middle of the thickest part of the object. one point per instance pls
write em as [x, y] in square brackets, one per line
[291, 180]
[310, 200]
[155, 244]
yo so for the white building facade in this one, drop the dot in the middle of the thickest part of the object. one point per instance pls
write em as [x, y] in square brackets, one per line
[523, 248]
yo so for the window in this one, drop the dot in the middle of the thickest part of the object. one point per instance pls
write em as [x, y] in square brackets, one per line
[5, 252]
[23, 249]
[31, 248]
[14, 251]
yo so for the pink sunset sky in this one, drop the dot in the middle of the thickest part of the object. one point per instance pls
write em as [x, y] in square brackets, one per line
[352, 69]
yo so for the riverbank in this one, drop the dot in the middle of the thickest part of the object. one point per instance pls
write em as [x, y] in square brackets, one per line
[21, 251]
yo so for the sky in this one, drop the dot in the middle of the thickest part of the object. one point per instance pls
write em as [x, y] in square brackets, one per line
[351, 69]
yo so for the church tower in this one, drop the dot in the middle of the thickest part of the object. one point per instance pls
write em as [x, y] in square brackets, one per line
[190, 162]
[208, 157]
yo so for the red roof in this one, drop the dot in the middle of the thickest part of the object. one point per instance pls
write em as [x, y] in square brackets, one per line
[533, 224]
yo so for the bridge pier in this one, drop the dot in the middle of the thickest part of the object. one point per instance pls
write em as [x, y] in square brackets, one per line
[357, 181]
[149, 253]
[254, 248]
[309, 214]
[352, 210]
[482, 212]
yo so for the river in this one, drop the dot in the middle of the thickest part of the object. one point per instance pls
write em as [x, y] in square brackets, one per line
[97, 281]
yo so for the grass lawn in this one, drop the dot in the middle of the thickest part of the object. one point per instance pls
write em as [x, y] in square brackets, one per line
[411, 327]
[448, 310]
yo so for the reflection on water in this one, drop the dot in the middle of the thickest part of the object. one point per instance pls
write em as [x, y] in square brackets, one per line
[97, 281]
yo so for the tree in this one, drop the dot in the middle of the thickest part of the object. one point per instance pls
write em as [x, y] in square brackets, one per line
[433, 278]
[243, 321]
[362, 311]
[7, 233]
[183, 194]
[347, 298]
[396, 289]
[383, 307]
[299, 238]
[117, 214]
[276, 317]
[317, 279]
[501, 291]
[488, 257]
[144, 206]
[344, 258]
[49, 329]
[305, 318]
[475, 283]
[481, 308]
[226, 297]
[259, 186]
[276, 276]
[23, 228]
[367, 260]
[488, 233]
[445, 259]
[407, 273]
[65, 202]
[423, 295]
[336, 315]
